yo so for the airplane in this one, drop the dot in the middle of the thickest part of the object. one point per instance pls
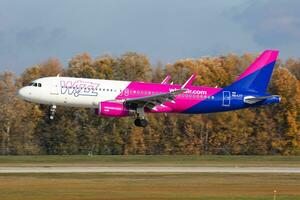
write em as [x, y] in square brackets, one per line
[113, 98]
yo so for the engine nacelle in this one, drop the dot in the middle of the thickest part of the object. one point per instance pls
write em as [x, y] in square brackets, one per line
[112, 109]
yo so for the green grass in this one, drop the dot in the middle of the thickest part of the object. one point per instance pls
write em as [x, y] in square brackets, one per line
[164, 186]
[149, 186]
[163, 160]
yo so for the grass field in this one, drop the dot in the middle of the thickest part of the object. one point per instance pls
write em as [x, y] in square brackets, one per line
[151, 186]
[84, 160]
[164, 186]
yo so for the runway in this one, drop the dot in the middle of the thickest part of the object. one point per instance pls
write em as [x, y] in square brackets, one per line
[10, 170]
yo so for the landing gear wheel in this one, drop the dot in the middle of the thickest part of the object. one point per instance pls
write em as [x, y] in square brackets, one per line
[144, 123]
[141, 122]
[51, 112]
[140, 117]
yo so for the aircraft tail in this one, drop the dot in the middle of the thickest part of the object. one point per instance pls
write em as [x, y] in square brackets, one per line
[257, 76]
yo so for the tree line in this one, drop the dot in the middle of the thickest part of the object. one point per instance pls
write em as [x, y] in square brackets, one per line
[273, 129]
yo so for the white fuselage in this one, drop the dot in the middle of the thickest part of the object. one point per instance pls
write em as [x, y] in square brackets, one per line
[75, 92]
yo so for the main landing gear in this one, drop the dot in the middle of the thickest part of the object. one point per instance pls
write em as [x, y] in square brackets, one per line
[51, 112]
[140, 118]
[140, 122]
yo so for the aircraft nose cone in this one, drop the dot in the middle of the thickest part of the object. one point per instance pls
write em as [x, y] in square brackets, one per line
[23, 93]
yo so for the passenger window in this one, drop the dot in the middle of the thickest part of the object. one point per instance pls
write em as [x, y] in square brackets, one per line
[39, 85]
[35, 84]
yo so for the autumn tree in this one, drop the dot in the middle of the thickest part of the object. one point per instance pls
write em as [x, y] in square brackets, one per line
[17, 120]
[286, 113]
[133, 67]
[293, 65]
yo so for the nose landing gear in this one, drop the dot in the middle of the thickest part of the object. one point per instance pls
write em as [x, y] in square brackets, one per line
[51, 112]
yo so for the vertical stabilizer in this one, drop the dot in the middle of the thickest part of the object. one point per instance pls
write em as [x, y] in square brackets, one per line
[257, 76]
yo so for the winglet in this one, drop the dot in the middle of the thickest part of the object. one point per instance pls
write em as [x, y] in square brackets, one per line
[166, 80]
[189, 81]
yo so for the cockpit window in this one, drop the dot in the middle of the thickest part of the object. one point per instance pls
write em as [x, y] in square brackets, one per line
[35, 84]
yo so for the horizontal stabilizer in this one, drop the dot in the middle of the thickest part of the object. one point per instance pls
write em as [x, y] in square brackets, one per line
[253, 100]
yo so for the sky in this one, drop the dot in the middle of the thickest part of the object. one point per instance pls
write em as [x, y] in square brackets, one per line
[31, 31]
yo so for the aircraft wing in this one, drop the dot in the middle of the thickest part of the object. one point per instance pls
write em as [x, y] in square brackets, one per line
[153, 100]
[252, 99]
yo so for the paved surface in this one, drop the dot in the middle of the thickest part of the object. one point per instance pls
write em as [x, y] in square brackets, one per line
[150, 170]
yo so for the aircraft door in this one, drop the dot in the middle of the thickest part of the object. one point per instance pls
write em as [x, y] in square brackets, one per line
[54, 88]
[126, 92]
[226, 98]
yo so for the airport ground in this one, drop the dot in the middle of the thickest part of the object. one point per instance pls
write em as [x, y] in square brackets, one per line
[150, 160]
[94, 186]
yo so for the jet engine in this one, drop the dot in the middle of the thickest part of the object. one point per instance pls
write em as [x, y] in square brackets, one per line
[112, 109]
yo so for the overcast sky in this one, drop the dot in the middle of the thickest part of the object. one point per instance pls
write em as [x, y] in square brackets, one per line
[31, 31]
